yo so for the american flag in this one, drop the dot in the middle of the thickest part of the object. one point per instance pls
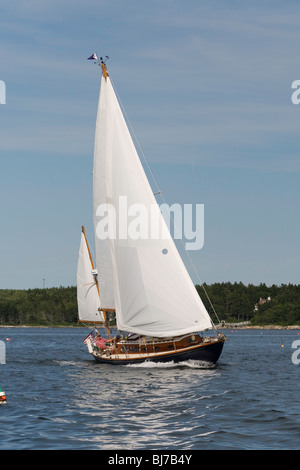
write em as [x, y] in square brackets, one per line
[90, 337]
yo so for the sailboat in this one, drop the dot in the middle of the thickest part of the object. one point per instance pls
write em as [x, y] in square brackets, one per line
[139, 283]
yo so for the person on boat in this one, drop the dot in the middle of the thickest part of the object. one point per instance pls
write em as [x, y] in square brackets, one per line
[105, 344]
[101, 343]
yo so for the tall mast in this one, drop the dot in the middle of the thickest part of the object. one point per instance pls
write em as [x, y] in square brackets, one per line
[104, 69]
[100, 61]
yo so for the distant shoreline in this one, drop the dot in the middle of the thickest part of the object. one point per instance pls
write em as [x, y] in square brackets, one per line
[42, 326]
[227, 326]
[257, 327]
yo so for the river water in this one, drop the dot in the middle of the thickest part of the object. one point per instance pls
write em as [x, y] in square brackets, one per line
[58, 398]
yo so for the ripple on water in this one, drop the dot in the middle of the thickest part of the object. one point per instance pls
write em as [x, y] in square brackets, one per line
[58, 398]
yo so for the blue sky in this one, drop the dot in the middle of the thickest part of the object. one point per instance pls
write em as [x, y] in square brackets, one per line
[207, 88]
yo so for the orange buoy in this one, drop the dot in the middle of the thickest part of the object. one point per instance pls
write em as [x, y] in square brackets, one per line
[2, 397]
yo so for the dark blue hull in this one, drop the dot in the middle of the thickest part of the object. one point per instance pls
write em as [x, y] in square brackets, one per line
[205, 352]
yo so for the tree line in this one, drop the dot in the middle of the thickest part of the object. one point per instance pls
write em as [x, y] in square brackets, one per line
[261, 305]
[38, 307]
[233, 302]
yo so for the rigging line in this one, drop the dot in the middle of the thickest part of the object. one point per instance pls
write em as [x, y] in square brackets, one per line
[163, 199]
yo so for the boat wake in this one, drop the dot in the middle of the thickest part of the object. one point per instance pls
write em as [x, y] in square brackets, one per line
[192, 364]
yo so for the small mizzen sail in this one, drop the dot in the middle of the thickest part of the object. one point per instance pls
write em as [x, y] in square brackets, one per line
[143, 279]
[88, 299]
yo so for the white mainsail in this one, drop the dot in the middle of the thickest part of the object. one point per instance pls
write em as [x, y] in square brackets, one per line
[144, 280]
[101, 193]
[88, 299]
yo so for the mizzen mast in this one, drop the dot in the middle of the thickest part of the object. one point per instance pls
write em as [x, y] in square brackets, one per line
[94, 272]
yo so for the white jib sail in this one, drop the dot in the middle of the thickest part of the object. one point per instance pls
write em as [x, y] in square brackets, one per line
[151, 289]
[88, 299]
